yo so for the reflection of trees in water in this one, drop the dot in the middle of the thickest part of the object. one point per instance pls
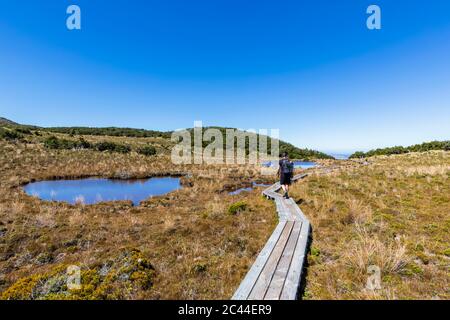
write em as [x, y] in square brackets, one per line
[128, 181]
[95, 190]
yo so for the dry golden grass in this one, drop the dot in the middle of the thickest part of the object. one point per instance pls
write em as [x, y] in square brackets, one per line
[393, 213]
[198, 250]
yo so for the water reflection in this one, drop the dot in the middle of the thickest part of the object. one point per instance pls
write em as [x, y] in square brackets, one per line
[95, 190]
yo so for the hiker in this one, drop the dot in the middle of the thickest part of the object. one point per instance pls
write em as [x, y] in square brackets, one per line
[285, 170]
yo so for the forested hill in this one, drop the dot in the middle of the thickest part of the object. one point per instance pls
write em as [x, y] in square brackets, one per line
[426, 146]
[7, 122]
[293, 151]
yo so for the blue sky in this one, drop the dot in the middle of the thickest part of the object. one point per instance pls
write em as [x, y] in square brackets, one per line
[310, 68]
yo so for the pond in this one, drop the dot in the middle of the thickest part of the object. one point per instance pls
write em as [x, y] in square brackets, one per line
[95, 190]
[254, 185]
[304, 164]
[297, 164]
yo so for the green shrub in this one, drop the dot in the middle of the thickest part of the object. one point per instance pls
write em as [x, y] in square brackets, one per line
[199, 268]
[126, 274]
[83, 144]
[147, 150]
[358, 154]
[109, 131]
[426, 146]
[23, 130]
[446, 252]
[10, 134]
[122, 148]
[53, 142]
[105, 146]
[237, 207]
[315, 251]
[111, 146]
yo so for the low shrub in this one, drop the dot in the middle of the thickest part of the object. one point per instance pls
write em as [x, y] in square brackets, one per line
[426, 146]
[23, 131]
[118, 278]
[237, 207]
[111, 146]
[10, 134]
[53, 142]
[147, 150]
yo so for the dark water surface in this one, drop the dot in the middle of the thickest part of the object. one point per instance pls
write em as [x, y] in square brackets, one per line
[94, 190]
[297, 164]
[248, 189]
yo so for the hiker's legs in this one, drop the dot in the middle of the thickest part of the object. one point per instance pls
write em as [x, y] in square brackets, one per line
[286, 191]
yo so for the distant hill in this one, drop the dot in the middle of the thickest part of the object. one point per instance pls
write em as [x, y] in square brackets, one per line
[426, 146]
[293, 151]
[7, 122]
[110, 131]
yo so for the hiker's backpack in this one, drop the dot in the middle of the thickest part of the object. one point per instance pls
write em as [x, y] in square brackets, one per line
[287, 167]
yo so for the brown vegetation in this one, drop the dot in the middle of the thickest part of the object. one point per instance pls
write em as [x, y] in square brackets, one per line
[393, 213]
[197, 248]
[199, 242]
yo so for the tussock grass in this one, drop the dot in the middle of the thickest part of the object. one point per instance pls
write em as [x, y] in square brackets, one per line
[197, 249]
[393, 213]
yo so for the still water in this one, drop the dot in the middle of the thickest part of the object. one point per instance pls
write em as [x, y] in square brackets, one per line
[297, 164]
[95, 190]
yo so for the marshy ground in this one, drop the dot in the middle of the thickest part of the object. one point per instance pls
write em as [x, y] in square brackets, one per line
[394, 214]
[199, 242]
[191, 245]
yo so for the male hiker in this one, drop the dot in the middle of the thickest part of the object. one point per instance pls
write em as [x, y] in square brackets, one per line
[285, 170]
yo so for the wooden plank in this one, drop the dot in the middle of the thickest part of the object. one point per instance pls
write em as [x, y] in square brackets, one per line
[279, 277]
[293, 278]
[276, 272]
[292, 212]
[283, 213]
[259, 290]
[299, 211]
[272, 195]
[292, 207]
[247, 284]
[284, 209]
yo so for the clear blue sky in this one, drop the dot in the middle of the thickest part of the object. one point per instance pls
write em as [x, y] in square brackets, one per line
[310, 68]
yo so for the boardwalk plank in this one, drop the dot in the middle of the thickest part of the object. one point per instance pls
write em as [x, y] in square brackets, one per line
[293, 278]
[259, 290]
[265, 277]
[247, 284]
[280, 275]
[276, 272]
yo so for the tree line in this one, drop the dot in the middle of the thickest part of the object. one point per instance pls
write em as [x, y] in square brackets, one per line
[53, 142]
[426, 146]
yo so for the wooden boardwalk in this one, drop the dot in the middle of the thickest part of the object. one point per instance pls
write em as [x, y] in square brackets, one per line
[277, 271]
